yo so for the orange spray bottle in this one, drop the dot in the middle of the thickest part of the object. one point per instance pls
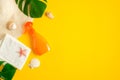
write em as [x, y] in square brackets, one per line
[39, 44]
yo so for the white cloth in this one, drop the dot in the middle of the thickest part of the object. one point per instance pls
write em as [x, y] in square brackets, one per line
[10, 52]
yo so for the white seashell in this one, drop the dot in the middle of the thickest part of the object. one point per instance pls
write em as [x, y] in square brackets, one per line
[50, 15]
[12, 26]
[34, 63]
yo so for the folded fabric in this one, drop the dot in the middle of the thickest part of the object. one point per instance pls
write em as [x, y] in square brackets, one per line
[13, 52]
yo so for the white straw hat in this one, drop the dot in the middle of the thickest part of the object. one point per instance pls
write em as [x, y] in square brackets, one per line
[11, 14]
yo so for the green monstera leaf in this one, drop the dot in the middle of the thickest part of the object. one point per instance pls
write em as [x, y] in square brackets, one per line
[32, 8]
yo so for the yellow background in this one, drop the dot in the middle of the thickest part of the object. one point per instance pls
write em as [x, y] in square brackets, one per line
[85, 42]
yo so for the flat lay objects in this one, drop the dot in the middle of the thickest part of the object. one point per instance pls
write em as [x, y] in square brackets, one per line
[7, 71]
[22, 52]
[12, 26]
[14, 52]
[34, 63]
[32, 8]
[39, 44]
[50, 15]
[9, 11]
[13, 15]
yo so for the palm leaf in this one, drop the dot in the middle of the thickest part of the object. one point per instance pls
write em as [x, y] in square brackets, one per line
[32, 8]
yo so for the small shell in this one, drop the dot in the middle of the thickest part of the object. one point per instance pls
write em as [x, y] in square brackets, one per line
[12, 26]
[34, 63]
[50, 15]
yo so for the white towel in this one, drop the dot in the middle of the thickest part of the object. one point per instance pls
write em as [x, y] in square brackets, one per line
[14, 52]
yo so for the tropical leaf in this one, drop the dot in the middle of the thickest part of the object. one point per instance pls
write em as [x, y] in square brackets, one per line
[45, 0]
[32, 8]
